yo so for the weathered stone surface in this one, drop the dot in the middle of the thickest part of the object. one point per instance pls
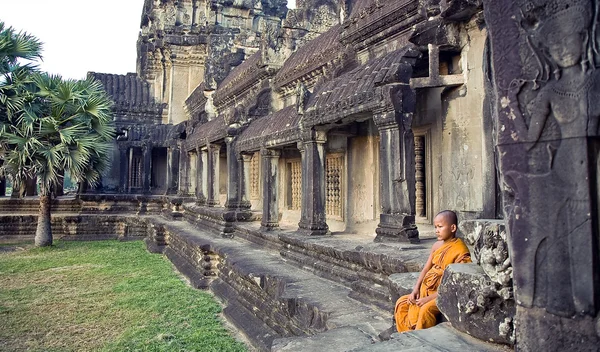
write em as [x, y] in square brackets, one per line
[490, 248]
[546, 86]
[341, 339]
[459, 10]
[441, 337]
[475, 305]
[438, 32]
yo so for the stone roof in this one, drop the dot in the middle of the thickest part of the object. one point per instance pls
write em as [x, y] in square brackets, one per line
[131, 95]
[372, 20]
[207, 132]
[196, 102]
[359, 90]
[311, 56]
[240, 78]
[279, 128]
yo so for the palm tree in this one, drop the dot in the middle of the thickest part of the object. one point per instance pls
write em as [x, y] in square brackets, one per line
[15, 82]
[55, 126]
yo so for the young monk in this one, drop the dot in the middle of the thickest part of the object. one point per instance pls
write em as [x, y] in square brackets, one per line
[418, 309]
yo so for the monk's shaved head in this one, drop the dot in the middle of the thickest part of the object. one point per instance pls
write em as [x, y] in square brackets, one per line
[449, 216]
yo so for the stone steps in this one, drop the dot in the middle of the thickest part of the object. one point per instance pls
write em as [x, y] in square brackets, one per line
[262, 285]
[293, 293]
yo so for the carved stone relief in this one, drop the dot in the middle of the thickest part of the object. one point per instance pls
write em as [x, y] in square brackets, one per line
[547, 86]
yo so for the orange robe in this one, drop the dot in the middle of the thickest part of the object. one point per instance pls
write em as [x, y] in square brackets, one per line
[411, 316]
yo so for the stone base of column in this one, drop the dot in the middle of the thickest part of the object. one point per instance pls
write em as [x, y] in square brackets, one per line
[232, 205]
[212, 203]
[308, 229]
[269, 226]
[538, 330]
[397, 228]
[201, 200]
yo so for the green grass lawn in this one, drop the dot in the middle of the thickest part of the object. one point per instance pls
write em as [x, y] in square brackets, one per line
[103, 296]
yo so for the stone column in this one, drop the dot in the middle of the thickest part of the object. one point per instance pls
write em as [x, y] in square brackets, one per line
[123, 168]
[270, 170]
[129, 170]
[204, 175]
[547, 137]
[147, 167]
[397, 177]
[212, 197]
[183, 183]
[172, 169]
[233, 175]
[200, 181]
[313, 219]
[245, 160]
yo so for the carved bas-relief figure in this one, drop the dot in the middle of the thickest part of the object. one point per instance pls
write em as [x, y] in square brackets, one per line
[556, 115]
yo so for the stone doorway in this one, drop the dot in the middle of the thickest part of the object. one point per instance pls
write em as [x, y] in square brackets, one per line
[158, 178]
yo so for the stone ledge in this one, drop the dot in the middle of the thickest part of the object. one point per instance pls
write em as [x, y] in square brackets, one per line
[441, 337]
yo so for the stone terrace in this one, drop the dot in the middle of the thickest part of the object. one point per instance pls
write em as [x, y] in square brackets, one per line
[284, 291]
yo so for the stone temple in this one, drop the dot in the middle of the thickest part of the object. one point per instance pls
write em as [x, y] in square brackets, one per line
[292, 161]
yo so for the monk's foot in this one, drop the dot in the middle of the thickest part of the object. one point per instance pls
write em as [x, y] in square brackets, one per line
[387, 334]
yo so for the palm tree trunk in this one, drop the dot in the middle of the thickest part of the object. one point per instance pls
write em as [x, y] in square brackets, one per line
[43, 234]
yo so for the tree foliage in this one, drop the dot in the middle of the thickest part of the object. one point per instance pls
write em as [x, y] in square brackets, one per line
[49, 126]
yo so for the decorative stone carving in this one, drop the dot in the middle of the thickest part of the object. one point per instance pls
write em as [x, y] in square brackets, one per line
[296, 185]
[490, 249]
[473, 304]
[334, 170]
[547, 85]
[420, 206]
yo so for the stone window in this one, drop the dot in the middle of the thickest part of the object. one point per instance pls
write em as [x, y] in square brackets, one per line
[423, 177]
[135, 176]
[295, 184]
[255, 176]
[334, 172]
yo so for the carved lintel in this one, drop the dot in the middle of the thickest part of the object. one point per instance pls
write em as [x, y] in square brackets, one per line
[314, 136]
[270, 153]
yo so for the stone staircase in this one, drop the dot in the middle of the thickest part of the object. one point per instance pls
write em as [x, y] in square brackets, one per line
[288, 292]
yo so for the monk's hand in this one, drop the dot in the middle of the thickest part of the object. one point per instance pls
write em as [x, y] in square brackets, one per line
[421, 301]
[413, 296]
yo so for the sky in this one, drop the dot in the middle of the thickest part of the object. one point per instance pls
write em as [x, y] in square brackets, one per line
[79, 35]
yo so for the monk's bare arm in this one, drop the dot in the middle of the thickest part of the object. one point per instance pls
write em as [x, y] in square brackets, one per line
[414, 295]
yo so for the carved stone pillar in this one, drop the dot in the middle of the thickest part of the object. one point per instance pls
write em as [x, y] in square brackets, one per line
[147, 167]
[204, 174]
[270, 171]
[233, 175]
[313, 219]
[130, 174]
[172, 169]
[200, 181]
[212, 198]
[547, 117]
[123, 168]
[397, 178]
[183, 183]
[245, 160]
